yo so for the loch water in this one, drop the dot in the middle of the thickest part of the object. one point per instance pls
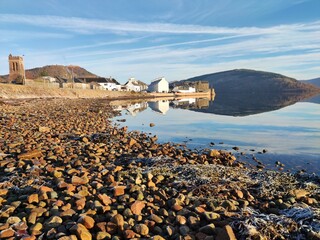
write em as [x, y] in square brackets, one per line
[289, 131]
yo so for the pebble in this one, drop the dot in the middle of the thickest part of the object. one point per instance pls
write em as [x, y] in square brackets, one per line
[226, 234]
[118, 221]
[81, 231]
[141, 229]
[87, 221]
[7, 233]
[137, 207]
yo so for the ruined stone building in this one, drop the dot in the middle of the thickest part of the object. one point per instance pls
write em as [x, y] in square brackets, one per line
[16, 70]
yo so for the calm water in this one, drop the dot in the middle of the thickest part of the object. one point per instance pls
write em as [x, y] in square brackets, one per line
[290, 134]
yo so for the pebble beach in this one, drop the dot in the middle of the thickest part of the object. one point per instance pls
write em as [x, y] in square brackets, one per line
[67, 171]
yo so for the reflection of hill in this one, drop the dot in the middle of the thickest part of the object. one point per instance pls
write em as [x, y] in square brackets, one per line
[244, 104]
[314, 99]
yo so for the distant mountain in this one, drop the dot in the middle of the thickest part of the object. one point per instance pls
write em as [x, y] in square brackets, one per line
[58, 71]
[315, 81]
[245, 92]
[241, 81]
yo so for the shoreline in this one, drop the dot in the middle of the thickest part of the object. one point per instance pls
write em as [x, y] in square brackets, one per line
[11, 91]
[66, 170]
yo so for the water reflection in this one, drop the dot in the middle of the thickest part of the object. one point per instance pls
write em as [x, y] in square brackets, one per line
[223, 104]
[161, 106]
[290, 134]
[244, 104]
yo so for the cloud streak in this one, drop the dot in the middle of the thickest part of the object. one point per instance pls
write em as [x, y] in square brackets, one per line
[90, 26]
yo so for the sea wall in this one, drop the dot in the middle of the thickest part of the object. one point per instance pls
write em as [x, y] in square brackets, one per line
[10, 91]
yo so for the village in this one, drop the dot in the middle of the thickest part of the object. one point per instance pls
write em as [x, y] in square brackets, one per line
[17, 75]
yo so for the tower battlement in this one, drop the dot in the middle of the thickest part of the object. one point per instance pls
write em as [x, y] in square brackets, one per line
[15, 58]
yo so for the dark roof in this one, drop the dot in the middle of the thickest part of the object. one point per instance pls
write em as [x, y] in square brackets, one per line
[61, 80]
[156, 81]
[100, 80]
[65, 80]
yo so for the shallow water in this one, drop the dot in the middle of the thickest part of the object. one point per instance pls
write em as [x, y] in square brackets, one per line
[290, 135]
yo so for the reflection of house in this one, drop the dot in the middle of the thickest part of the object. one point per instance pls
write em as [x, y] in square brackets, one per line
[137, 107]
[185, 103]
[191, 103]
[135, 85]
[161, 106]
[202, 103]
[159, 85]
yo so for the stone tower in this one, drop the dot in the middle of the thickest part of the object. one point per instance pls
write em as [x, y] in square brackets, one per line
[16, 70]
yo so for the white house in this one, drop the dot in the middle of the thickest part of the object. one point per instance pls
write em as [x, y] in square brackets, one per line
[135, 85]
[184, 89]
[159, 85]
[110, 84]
[105, 83]
[49, 79]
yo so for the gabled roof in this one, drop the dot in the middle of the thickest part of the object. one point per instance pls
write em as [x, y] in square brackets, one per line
[157, 81]
[136, 83]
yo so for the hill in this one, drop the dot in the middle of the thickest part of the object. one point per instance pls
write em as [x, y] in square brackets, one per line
[58, 71]
[251, 81]
[55, 71]
[315, 81]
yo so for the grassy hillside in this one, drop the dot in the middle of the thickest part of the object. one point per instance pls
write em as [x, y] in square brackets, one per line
[55, 71]
[58, 70]
[243, 80]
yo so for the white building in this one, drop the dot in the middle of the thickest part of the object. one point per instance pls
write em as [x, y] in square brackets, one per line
[110, 84]
[184, 89]
[135, 85]
[159, 85]
[49, 79]
[105, 83]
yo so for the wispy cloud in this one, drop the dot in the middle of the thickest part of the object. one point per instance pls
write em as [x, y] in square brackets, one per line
[89, 26]
[12, 35]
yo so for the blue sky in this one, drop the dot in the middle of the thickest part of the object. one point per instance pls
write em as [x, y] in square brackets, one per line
[176, 39]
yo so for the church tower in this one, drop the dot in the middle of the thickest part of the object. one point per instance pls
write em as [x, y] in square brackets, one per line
[16, 70]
